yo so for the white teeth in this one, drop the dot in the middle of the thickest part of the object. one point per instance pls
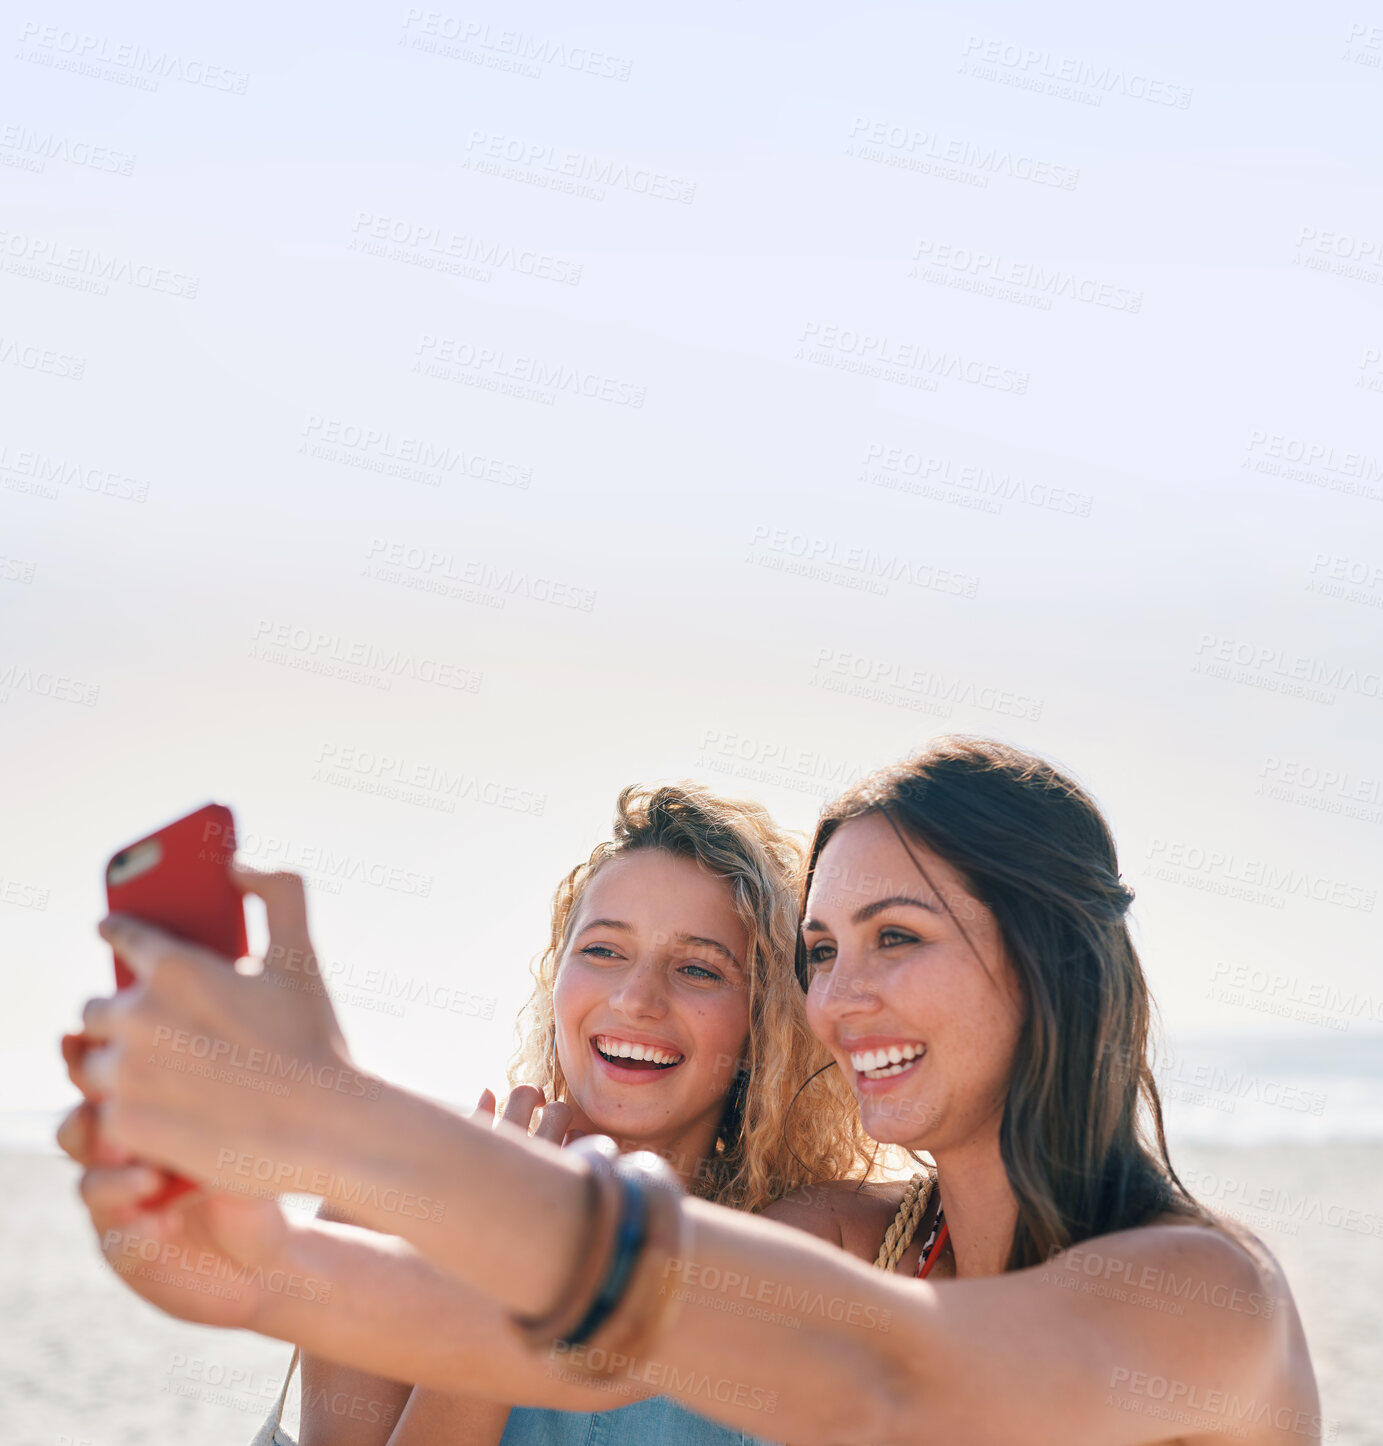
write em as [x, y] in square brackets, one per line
[613, 1048]
[881, 1063]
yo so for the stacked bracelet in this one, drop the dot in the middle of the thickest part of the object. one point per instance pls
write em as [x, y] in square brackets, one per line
[602, 1224]
[619, 1293]
[649, 1297]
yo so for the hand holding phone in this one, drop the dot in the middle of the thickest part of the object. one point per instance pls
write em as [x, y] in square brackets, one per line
[179, 879]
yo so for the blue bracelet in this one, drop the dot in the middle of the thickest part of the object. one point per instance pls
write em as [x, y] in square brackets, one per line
[630, 1235]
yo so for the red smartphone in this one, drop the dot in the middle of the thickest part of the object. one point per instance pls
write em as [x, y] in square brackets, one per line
[179, 879]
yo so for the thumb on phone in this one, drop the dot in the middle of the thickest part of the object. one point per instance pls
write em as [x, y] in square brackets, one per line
[290, 949]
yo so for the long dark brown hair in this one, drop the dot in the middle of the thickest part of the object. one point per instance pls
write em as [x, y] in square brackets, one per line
[1081, 1138]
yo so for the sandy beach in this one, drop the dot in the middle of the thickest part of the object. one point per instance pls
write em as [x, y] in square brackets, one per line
[85, 1363]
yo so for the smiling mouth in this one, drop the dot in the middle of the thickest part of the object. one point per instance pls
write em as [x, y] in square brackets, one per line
[886, 1063]
[625, 1054]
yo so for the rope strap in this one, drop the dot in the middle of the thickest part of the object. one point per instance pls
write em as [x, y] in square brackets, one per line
[899, 1234]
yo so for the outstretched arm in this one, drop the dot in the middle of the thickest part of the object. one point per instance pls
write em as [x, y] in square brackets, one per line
[234, 1260]
[786, 1336]
[367, 1302]
[392, 1313]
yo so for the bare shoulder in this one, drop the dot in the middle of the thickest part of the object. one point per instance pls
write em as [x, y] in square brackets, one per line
[1198, 1299]
[807, 1208]
[1232, 1254]
[1172, 1240]
[853, 1214]
[1186, 1269]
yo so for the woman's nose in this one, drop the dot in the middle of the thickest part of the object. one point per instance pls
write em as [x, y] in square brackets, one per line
[846, 988]
[641, 992]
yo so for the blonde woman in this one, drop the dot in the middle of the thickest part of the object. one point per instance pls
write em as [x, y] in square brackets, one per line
[665, 1014]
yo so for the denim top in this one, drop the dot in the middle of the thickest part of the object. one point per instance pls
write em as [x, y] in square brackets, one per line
[658, 1419]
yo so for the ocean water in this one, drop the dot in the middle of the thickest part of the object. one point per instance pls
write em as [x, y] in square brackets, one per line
[1235, 1091]
[1215, 1090]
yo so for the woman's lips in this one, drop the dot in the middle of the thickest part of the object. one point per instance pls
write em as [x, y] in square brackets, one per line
[885, 1066]
[882, 1086]
[633, 1071]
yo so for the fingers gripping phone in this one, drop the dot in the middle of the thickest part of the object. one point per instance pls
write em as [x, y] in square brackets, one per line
[179, 879]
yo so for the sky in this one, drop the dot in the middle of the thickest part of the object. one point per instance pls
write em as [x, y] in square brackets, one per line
[417, 424]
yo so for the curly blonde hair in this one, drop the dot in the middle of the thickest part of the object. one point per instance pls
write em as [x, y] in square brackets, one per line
[769, 1142]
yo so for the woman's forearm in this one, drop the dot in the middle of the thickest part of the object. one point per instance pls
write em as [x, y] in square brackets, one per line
[488, 1206]
[744, 1350]
[793, 1349]
[776, 1333]
[433, 1418]
[373, 1304]
[344, 1405]
[347, 1406]
[404, 1166]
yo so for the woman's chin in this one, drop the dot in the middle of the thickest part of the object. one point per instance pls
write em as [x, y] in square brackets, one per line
[897, 1121]
[630, 1127]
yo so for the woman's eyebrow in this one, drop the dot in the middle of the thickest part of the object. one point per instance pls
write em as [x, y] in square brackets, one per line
[863, 916]
[606, 924]
[707, 944]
